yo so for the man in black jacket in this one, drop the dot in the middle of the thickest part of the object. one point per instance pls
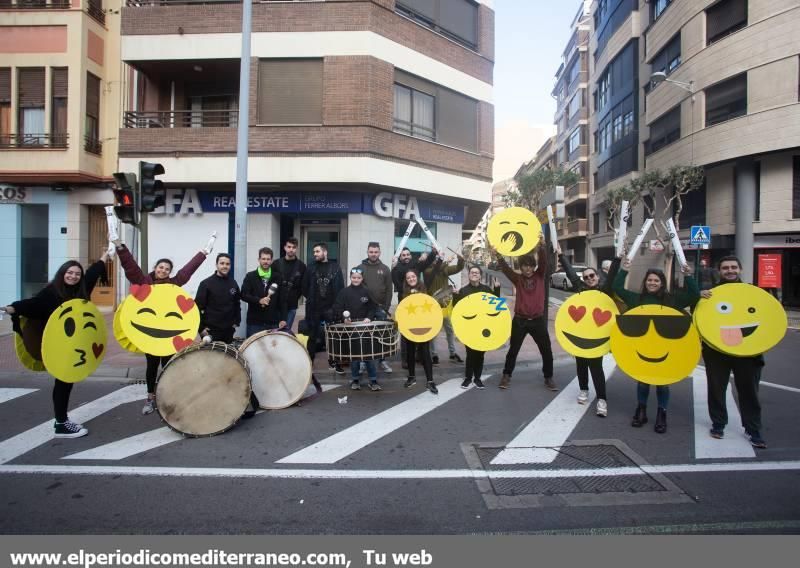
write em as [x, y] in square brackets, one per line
[266, 302]
[218, 298]
[292, 271]
[322, 283]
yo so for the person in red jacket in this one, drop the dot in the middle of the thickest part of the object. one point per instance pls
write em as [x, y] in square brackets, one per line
[161, 274]
[529, 313]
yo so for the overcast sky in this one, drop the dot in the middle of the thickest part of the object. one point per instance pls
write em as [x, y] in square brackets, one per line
[530, 36]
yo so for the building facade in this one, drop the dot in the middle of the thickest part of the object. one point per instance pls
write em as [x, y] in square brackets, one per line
[59, 109]
[363, 114]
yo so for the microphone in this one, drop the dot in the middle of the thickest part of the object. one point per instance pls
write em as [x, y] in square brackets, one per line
[272, 289]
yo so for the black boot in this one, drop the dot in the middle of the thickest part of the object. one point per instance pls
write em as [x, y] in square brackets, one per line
[661, 421]
[640, 417]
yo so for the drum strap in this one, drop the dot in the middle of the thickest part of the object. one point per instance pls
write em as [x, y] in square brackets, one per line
[253, 407]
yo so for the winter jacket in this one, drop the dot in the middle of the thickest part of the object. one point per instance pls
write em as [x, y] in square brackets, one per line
[437, 279]
[531, 291]
[322, 284]
[218, 299]
[357, 301]
[679, 300]
[400, 269]
[136, 275]
[378, 281]
[292, 273]
[254, 288]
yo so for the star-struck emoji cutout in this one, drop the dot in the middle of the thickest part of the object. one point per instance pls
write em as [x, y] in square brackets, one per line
[411, 309]
[427, 307]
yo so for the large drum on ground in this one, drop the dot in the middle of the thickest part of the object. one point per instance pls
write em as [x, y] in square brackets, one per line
[362, 341]
[279, 367]
[204, 389]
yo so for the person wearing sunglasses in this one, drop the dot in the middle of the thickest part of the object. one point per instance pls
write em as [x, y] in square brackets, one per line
[585, 365]
[354, 305]
[654, 291]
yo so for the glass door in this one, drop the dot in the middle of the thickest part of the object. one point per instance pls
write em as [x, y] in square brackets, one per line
[328, 234]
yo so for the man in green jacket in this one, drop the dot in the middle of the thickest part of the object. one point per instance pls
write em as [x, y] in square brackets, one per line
[378, 282]
[437, 282]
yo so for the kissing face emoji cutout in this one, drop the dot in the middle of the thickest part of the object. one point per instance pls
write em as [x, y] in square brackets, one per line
[482, 321]
[741, 320]
[419, 317]
[584, 323]
[160, 320]
[514, 231]
[74, 341]
[655, 344]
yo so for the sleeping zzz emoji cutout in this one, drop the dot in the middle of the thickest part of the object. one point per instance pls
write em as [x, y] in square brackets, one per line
[514, 231]
[419, 317]
[482, 321]
[74, 341]
[159, 320]
[741, 320]
[584, 323]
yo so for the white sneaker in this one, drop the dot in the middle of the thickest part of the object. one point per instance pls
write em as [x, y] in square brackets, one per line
[149, 406]
[602, 408]
[385, 367]
[583, 397]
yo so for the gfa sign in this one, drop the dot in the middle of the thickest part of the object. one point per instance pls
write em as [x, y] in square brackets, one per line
[396, 205]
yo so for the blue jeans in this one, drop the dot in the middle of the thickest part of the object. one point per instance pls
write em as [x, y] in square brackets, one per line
[643, 392]
[253, 328]
[372, 370]
[290, 317]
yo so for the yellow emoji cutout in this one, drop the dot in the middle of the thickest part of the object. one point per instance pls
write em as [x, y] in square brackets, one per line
[741, 320]
[160, 320]
[655, 344]
[482, 321]
[419, 317]
[74, 341]
[28, 346]
[119, 335]
[584, 323]
[514, 231]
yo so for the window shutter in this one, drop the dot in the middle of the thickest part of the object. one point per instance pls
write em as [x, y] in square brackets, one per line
[5, 85]
[290, 91]
[724, 16]
[60, 82]
[92, 96]
[31, 87]
[460, 17]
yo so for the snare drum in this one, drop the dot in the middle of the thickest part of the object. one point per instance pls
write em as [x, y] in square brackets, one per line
[280, 368]
[362, 341]
[204, 389]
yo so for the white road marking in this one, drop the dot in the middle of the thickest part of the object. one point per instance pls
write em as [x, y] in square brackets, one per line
[43, 433]
[352, 439]
[539, 441]
[11, 394]
[388, 474]
[706, 447]
[777, 386]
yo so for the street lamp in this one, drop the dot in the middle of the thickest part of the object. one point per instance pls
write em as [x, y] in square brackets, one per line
[661, 77]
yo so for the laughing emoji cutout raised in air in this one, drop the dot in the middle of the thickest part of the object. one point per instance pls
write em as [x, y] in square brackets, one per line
[482, 321]
[655, 344]
[514, 231]
[584, 323]
[419, 317]
[741, 320]
[74, 341]
[159, 320]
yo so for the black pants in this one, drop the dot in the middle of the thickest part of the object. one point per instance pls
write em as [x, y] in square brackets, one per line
[221, 334]
[746, 371]
[595, 365]
[153, 363]
[424, 351]
[61, 392]
[474, 364]
[537, 328]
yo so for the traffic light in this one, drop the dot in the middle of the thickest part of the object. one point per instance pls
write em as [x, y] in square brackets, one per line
[152, 190]
[126, 198]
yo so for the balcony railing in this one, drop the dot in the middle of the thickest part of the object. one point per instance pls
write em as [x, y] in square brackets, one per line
[35, 4]
[577, 191]
[578, 226]
[145, 3]
[181, 119]
[95, 10]
[33, 141]
[93, 145]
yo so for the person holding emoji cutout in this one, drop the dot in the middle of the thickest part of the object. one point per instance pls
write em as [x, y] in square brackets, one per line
[738, 323]
[161, 274]
[654, 292]
[419, 319]
[69, 283]
[474, 365]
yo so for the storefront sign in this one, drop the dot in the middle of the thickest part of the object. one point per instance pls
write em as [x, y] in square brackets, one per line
[769, 271]
[778, 241]
[408, 207]
[10, 194]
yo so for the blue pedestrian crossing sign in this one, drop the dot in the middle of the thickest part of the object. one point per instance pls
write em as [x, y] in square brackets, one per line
[700, 235]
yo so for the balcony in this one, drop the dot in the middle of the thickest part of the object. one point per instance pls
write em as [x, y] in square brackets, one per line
[92, 145]
[577, 228]
[181, 119]
[35, 4]
[33, 141]
[576, 192]
[148, 3]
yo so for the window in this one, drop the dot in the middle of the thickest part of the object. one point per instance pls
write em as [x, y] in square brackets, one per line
[417, 241]
[574, 70]
[616, 135]
[30, 105]
[456, 19]
[603, 90]
[664, 131]
[796, 187]
[595, 223]
[5, 106]
[576, 103]
[694, 207]
[574, 141]
[95, 10]
[726, 100]
[724, 18]
[92, 132]
[606, 25]
[58, 111]
[627, 123]
[290, 91]
[668, 59]
[413, 112]
[659, 6]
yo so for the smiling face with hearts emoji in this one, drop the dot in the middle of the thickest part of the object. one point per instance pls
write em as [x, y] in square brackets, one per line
[584, 323]
[161, 319]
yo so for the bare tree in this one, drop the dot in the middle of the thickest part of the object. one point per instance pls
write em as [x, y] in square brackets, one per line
[532, 186]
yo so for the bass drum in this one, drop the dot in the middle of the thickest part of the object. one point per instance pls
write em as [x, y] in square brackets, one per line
[203, 390]
[279, 367]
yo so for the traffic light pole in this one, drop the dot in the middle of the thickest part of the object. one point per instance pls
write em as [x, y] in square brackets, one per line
[143, 243]
[242, 152]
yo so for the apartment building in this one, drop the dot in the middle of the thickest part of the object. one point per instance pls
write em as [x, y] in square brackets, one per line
[59, 108]
[363, 114]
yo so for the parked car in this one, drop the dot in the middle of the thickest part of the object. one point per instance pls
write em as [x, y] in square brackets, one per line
[560, 280]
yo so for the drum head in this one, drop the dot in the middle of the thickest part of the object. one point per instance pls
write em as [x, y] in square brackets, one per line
[279, 367]
[203, 390]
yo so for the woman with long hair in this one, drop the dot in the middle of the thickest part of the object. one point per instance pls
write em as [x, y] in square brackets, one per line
[473, 368]
[412, 284]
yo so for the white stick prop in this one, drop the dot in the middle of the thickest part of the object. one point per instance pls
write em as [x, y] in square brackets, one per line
[553, 232]
[622, 232]
[676, 241]
[113, 223]
[428, 234]
[639, 238]
[211, 241]
[404, 240]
